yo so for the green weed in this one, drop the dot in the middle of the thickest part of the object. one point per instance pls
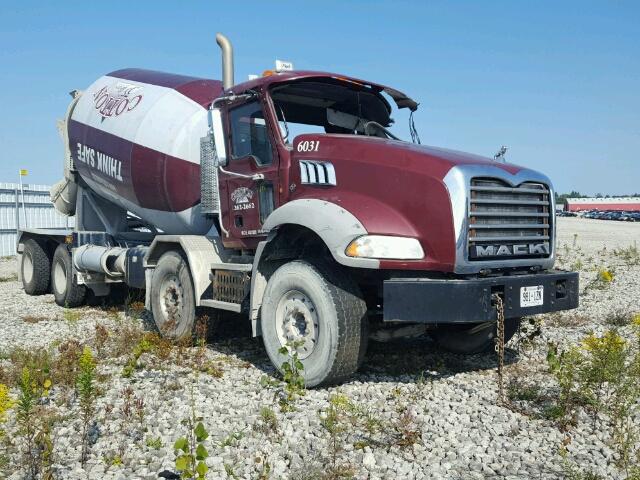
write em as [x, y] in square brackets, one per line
[519, 391]
[34, 425]
[154, 443]
[630, 255]
[602, 376]
[335, 421]
[267, 422]
[292, 376]
[191, 454]
[85, 385]
[232, 439]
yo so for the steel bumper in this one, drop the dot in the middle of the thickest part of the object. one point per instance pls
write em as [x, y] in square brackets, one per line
[435, 301]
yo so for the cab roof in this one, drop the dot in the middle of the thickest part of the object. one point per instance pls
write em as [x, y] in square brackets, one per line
[401, 99]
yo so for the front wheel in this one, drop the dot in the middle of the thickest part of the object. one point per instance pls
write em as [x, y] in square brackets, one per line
[475, 338]
[319, 309]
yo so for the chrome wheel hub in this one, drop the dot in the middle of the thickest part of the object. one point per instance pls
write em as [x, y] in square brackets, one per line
[297, 324]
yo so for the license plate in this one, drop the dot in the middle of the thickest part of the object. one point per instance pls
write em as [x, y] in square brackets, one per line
[531, 296]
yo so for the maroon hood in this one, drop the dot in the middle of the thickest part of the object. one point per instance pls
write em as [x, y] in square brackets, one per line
[393, 188]
[403, 155]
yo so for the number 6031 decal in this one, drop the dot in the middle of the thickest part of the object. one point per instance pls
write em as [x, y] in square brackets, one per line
[309, 146]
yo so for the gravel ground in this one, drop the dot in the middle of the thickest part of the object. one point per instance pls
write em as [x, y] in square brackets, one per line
[446, 404]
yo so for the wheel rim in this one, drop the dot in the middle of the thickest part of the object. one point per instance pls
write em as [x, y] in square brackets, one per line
[27, 268]
[171, 299]
[60, 277]
[297, 322]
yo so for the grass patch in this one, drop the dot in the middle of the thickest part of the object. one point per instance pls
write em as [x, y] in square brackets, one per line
[267, 422]
[154, 443]
[566, 319]
[605, 276]
[620, 318]
[520, 391]
[34, 318]
[232, 439]
[601, 376]
[629, 255]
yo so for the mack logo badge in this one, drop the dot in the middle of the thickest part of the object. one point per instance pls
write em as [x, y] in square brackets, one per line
[509, 250]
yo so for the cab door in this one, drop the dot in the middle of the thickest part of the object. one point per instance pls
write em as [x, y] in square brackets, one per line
[246, 200]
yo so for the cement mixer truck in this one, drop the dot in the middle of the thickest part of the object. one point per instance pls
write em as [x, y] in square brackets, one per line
[288, 199]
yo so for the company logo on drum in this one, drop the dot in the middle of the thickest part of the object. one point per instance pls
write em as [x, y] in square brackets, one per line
[118, 98]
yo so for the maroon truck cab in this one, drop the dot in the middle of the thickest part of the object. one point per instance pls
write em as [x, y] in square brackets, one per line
[482, 226]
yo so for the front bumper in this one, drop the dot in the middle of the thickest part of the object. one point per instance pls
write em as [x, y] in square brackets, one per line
[436, 301]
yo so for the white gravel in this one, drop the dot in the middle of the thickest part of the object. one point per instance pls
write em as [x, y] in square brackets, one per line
[462, 433]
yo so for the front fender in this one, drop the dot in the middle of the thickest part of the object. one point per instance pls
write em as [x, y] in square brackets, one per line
[336, 227]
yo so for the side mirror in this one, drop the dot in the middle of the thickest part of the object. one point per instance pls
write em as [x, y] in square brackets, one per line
[218, 136]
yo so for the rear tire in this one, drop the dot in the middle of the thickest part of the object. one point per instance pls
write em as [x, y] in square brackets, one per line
[321, 306]
[35, 268]
[470, 339]
[66, 291]
[173, 297]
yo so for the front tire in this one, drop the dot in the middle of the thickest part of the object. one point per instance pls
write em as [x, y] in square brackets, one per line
[321, 308]
[35, 268]
[470, 339]
[66, 291]
[172, 297]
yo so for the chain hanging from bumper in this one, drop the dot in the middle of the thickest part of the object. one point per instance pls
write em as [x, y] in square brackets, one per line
[499, 348]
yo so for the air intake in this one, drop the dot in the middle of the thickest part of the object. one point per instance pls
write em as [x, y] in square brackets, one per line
[209, 193]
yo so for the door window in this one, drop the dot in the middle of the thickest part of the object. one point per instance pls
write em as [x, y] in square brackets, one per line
[249, 134]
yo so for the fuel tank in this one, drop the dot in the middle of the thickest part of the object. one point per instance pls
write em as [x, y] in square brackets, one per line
[134, 138]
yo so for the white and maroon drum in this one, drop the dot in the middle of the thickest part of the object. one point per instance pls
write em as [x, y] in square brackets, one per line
[134, 136]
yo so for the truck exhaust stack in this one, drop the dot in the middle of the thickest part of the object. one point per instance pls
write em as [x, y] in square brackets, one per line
[227, 60]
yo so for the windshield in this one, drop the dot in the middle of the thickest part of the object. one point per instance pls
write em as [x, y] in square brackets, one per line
[330, 106]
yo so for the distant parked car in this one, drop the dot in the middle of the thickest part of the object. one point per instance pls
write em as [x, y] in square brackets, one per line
[564, 213]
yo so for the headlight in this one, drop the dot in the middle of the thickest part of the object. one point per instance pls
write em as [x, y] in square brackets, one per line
[380, 246]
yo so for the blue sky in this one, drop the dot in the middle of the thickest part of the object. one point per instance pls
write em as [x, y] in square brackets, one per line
[558, 82]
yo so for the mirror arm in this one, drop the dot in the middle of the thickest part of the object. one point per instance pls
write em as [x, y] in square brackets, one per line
[254, 176]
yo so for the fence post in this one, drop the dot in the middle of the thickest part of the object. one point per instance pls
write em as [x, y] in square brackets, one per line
[24, 208]
[17, 216]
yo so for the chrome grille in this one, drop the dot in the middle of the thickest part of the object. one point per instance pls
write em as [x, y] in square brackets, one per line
[507, 221]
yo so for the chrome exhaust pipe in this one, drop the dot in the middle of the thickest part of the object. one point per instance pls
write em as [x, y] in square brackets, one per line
[227, 60]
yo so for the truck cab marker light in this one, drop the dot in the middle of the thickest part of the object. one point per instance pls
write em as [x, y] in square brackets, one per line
[385, 247]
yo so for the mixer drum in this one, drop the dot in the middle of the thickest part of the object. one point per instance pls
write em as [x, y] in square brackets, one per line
[134, 136]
